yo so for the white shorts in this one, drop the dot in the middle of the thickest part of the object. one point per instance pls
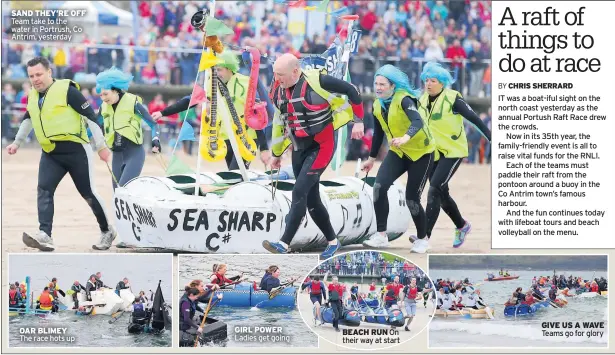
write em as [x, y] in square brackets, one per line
[410, 309]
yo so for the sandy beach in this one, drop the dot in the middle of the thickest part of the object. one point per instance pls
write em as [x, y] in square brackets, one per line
[331, 338]
[75, 228]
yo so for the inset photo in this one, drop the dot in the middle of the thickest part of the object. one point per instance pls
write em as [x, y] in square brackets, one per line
[243, 301]
[90, 300]
[509, 301]
[367, 300]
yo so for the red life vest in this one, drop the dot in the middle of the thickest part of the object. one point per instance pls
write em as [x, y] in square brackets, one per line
[316, 288]
[220, 280]
[595, 288]
[372, 288]
[45, 300]
[412, 291]
[13, 297]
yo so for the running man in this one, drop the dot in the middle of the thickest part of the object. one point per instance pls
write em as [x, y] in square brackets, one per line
[237, 85]
[318, 293]
[411, 150]
[307, 113]
[445, 110]
[412, 292]
[122, 114]
[55, 109]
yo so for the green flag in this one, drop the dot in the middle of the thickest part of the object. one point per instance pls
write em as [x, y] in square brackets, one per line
[176, 166]
[215, 27]
[336, 163]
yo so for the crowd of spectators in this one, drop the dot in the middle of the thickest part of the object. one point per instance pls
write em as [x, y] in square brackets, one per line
[405, 33]
[370, 264]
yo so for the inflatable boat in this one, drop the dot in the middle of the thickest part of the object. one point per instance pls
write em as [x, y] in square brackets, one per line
[26, 307]
[503, 278]
[244, 295]
[524, 309]
[467, 313]
[233, 216]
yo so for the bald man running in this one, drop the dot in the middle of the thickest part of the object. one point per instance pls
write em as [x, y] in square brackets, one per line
[301, 99]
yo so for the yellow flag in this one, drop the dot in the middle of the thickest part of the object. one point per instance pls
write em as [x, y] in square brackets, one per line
[208, 60]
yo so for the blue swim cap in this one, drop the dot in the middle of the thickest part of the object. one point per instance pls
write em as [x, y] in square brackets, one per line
[435, 70]
[112, 78]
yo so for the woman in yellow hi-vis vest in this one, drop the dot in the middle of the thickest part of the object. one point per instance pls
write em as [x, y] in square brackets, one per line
[55, 110]
[411, 150]
[122, 114]
[445, 111]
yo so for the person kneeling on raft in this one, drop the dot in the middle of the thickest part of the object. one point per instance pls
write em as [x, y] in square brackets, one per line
[336, 295]
[445, 110]
[411, 150]
[219, 278]
[187, 310]
[122, 285]
[75, 289]
[122, 114]
[139, 314]
[308, 111]
[318, 293]
[46, 301]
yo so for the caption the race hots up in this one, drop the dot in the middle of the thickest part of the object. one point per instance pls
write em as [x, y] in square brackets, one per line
[45, 335]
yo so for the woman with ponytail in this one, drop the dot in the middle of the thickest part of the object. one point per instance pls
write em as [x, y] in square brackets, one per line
[122, 114]
[411, 149]
[445, 110]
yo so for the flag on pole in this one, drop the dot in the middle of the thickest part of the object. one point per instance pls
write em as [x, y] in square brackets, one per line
[176, 166]
[342, 138]
[186, 133]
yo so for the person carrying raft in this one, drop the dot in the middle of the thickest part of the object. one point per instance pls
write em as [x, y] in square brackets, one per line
[336, 295]
[219, 278]
[392, 293]
[318, 293]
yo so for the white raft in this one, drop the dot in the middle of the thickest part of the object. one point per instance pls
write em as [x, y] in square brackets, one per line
[162, 212]
[105, 301]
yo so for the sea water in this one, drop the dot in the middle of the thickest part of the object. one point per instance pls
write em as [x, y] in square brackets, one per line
[523, 331]
[143, 272]
[294, 332]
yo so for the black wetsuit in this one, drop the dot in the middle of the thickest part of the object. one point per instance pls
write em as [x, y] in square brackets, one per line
[121, 286]
[76, 290]
[73, 158]
[393, 167]
[311, 156]
[443, 170]
[231, 162]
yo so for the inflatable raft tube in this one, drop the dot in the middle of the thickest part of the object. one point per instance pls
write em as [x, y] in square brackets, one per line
[503, 278]
[163, 213]
[105, 301]
[350, 318]
[467, 313]
[244, 295]
[524, 310]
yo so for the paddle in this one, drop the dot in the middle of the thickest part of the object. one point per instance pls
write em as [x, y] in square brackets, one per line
[553, 304]
[196, 341]
[114, 318]
[279, 289]
[488, 310]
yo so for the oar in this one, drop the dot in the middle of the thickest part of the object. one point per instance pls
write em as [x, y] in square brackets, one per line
[114, 318]
[196, 341]
[553, 304]
[112, 174]
[279, 289]
[488, 310]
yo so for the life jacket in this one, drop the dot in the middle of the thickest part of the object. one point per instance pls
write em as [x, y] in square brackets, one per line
[263, 284]
[594, 288]
[412, 291]
[315, 288]
[45, 300]
[372, 288]
[138, 311]
[218, 280]
[182, 324]
[335, 292]
[397, 124]
[55, 120]
[303, 119]
[53, 291]
[446, 127]
[13, 297]
[123, 120]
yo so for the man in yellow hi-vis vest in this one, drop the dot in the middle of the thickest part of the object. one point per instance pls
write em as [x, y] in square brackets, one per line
[308, 112]
[55, 110]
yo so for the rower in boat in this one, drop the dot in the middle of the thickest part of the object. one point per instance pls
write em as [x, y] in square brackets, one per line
[219, 278]
[143, 297]
[15, 300]
[205, 291]
[474, 300]
[501, 272]
[535, 290]
[55, 289]
[122, 285]
[91, 286]
[602, 285]
[490, 276]
[75, 289]
[271, 279]
[529, 298]
[46, 301]
[187, 310]
[139, 316]
[445, 301]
